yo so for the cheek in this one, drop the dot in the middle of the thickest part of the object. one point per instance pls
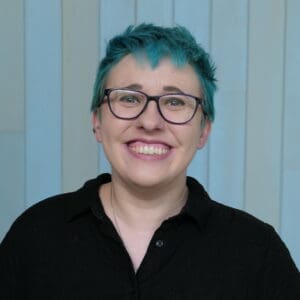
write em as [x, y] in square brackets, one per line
[193, 139]
[187, 137]
[113, 130]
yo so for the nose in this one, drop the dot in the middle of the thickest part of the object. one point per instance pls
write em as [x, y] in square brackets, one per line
[151, 119]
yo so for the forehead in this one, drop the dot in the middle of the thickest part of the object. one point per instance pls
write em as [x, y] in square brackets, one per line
[131, 71]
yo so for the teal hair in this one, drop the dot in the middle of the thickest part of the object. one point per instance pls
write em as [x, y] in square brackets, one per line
[155, 43]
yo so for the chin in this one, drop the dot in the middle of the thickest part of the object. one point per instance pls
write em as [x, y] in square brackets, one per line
[154, 178]
[146, 179]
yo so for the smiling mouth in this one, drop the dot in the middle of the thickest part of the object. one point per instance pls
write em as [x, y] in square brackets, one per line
[149, 150]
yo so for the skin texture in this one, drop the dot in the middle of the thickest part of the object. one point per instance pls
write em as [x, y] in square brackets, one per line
[147, 189]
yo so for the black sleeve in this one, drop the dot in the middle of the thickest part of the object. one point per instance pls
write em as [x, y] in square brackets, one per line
[13, 260]
[8, 267]
[281, 276]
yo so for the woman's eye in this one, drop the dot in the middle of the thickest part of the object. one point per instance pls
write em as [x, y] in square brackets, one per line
[129, 99]
[175, 102]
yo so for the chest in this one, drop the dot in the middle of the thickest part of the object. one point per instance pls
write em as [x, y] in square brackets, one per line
[178, 263]
[136, 244]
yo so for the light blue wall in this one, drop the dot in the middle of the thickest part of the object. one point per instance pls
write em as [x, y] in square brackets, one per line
[43, 81]
[49, 54]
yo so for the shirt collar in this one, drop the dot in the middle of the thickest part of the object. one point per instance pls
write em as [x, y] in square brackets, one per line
[199, 204]
[84, 200]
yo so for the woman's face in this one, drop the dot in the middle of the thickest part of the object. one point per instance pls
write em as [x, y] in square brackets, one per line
[148, 151]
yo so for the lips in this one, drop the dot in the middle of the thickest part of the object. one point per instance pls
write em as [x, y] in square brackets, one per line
[149, 148]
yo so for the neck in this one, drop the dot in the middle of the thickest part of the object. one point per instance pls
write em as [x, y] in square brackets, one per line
[143, 208]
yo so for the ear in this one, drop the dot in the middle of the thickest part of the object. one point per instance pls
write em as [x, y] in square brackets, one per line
[205, 131]
[96, 126]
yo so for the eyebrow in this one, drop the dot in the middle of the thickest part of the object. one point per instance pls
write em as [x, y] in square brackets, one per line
[168, 88]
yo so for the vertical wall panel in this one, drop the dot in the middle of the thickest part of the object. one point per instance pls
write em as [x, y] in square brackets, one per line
[155, 11]
[12, 179]
[124, 15]
[11, 112]
[266, 45]
[80, 53]
[195, 15]
[12, 65]
[227, 143]
[43, 99]
[290, 222]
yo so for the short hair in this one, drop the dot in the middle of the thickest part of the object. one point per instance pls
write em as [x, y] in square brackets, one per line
[158, 42]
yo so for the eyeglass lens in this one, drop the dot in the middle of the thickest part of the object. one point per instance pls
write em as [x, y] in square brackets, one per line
[175, 108]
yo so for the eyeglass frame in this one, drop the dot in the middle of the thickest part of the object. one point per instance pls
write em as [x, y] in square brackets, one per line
[199, 102]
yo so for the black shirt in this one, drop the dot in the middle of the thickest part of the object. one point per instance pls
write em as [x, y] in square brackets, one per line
[65, 247]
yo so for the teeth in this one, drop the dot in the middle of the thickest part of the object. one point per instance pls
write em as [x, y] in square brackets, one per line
[149, 150]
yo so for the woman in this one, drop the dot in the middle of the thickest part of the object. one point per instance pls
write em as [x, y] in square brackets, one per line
[146, 231]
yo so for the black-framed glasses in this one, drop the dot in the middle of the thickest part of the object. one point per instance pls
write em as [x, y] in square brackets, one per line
[175, 108]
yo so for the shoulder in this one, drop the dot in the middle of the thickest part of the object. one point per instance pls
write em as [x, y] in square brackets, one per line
[227, 225]
[224, 220]
[51, 214]
[252, 236]
[37, 222]
[256, 244]
[240, 225]
[48, 210]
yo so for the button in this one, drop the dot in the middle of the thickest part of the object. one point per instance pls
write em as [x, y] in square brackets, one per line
[159, 243]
